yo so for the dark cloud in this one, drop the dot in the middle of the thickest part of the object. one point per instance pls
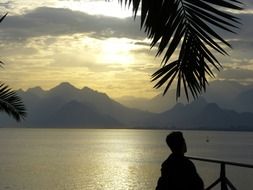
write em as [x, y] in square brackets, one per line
[246, 29]
[241, 51]
[150, 69]
[58, 21]
[236, 74]
[247, 4]
[141, 43]
[242, 44]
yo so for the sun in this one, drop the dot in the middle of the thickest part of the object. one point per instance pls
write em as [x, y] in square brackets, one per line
[116, 50]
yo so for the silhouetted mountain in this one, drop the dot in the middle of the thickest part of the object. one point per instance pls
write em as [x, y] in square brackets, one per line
[64, 90]
[67, 106]
[223, 93]
[134, 102]
[227, 94]
[181, 115]
[57, 101]
[37, 91]
[156, 104]
[76, 114]
[244, 101]
[202, 115]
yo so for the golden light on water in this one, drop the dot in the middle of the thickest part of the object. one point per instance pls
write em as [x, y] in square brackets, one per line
[111, 161]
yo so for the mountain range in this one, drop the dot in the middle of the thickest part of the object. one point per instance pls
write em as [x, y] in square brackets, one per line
[68, 106]
[226, 94]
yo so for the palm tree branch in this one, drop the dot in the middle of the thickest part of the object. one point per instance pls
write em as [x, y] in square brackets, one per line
[11, 103]
[168, 72]
[225, 4]
[2, 18]
[211, 9]
[209, 17]
[186, 24]
[207, 39]
[174, 42]
[205, 27]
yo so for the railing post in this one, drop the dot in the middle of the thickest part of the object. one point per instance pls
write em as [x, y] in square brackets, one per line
[225, 183]
[223, 176]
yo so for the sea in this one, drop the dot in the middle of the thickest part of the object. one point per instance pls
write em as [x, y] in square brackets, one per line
[113, 159]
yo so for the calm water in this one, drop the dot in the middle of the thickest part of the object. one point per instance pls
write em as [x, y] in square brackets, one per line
[77, 159]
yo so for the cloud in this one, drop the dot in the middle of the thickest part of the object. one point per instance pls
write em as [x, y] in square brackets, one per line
[60, 21]
[236, 74]
[45, 21]
[48, 21]
[48, 45]
[5, 5]
[246, 29]
[247, 4]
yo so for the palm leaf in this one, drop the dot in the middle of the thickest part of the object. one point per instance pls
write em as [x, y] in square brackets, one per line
[188, 25]
[11, 103]
[1, 19]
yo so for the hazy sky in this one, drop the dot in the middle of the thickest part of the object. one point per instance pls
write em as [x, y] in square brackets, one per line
[96, 44]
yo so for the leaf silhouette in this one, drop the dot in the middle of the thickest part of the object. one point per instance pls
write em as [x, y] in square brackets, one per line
[189, 26]
[10, 102]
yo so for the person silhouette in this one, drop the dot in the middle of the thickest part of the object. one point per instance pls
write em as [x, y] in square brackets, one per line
[177, 171]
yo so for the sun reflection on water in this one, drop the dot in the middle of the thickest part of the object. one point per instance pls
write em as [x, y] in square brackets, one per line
[73, 159]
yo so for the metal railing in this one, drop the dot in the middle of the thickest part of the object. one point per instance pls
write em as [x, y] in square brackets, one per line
[223, 180]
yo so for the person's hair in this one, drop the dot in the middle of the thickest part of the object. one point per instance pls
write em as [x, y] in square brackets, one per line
[175, 141]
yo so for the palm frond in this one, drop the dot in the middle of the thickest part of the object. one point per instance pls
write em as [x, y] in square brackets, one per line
[188, 25]
[2, 18]
[11, 103]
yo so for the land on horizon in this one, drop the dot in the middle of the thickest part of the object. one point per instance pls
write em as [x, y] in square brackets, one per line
[66, 106]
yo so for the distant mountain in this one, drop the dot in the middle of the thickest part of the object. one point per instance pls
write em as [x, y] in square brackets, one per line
[244, 101]
[226, 94]
[76, 114]
[64, 104]
[37, 91]
[213, 117]
[156, 104]
[134, 102]
[202, 115]
[68, 106]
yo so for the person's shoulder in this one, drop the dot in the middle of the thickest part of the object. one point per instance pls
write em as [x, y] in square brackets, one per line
[166, 162]
[173, 159]
[189, 163]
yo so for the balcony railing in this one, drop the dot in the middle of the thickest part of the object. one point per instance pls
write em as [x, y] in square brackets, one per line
[223, 180]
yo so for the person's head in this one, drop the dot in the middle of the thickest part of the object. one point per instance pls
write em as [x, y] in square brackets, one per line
[176, 142]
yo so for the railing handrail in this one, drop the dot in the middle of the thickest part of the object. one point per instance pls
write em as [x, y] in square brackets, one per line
[221, 161]
[223, 180]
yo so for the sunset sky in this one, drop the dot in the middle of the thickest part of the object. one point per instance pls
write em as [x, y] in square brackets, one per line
[96, 44]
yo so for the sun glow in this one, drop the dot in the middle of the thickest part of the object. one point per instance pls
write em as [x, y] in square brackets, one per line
[117, 51]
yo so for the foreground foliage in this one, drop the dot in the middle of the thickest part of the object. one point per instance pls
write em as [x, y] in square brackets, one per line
[189, 25]
[10, 102]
